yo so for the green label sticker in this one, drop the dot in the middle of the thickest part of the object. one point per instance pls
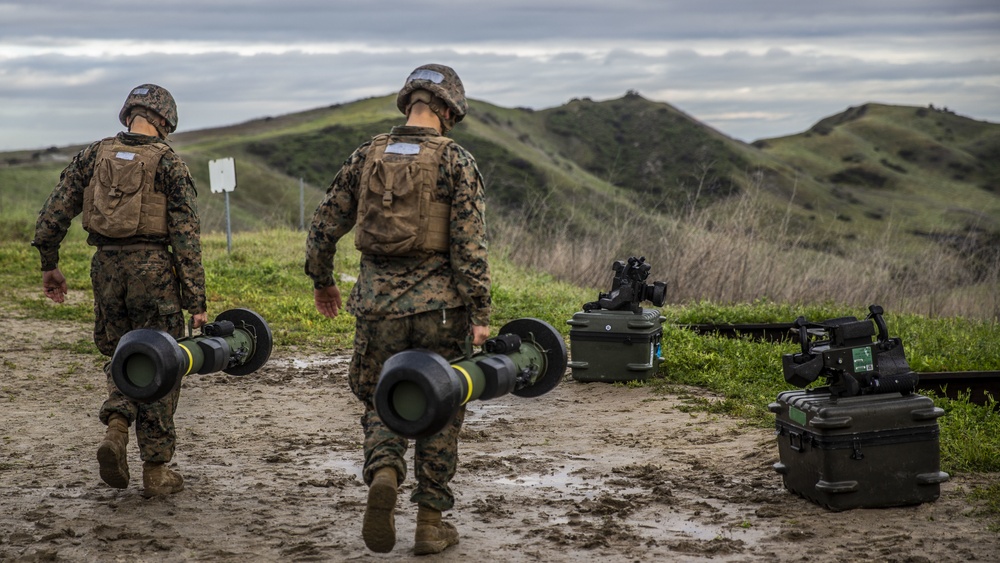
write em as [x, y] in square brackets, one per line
[863, 359]
[796, 415]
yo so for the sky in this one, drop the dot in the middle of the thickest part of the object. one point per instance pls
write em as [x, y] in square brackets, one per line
[750, 69]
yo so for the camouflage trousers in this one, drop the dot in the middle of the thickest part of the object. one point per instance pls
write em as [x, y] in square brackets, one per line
[137, 289]
[435, 458]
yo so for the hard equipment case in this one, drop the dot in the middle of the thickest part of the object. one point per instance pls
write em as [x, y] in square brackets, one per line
[865, 451]
[615, 345]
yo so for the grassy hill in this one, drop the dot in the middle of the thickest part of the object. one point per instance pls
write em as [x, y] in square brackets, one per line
[889, 203]
[931, 171]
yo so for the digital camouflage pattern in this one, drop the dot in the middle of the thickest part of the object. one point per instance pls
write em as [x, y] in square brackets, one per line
[133, 289]
[154, 422]
[392, 287]
[147, 288]
[184, 228]
[154, 98]
[435, 458]
[440, 80]
[137, 289]
[408, 302]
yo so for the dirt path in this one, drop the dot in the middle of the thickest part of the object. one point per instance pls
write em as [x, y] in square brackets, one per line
[587, 472]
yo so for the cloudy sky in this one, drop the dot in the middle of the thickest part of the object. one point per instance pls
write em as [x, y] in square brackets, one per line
[751, 69]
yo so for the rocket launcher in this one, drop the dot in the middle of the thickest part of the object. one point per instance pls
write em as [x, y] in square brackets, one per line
[148, 363]
[419, 391]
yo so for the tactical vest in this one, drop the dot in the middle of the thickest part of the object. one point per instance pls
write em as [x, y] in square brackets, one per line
[396, 216]
[120, 202]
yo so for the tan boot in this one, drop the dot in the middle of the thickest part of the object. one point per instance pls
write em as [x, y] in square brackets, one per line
[157, 480]
[112, 453]
[379, 526]
[433, 535]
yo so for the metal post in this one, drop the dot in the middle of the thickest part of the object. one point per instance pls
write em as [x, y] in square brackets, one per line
[222, 173]
[302, 206]
[229, 230]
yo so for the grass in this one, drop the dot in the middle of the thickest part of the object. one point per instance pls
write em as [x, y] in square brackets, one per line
[988, 498]
[751, 253]
[571, 186]
[264, 272]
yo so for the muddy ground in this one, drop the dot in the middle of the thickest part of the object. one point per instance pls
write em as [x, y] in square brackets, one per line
[588, 472]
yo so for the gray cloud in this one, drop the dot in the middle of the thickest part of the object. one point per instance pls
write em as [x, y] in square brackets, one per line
[750, 69]
[503, 20]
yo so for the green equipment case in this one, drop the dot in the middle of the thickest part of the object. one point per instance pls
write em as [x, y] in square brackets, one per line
[865, 451]
[615, 345]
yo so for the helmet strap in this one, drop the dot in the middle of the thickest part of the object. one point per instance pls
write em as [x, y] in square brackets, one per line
[151, 117]
[447, 123]
[437, 105]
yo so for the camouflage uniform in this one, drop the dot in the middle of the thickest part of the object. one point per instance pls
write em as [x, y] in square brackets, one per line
[426, 301]
[146, 287]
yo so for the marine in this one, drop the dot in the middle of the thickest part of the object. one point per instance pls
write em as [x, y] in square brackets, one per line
[416, 202]
[137, 199]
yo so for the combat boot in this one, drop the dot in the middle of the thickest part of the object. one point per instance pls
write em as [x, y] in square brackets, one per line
[379, 526]
[112, 453]
[433, 535]
[157, 480]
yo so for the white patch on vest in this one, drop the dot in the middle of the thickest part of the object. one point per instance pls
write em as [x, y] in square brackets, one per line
[403, 148]
[125, 155]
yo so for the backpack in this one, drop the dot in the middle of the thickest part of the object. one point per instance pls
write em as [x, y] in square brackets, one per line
[120, 202]
[396, 216]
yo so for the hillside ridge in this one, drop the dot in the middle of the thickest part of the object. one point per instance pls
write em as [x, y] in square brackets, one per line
[925, 172]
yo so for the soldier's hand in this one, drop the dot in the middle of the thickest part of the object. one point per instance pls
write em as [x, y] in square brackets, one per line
[199, 320]
[328, 301]
[54, 285]
[480, 334]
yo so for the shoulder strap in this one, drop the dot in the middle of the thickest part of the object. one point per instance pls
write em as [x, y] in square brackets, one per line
[438, 144]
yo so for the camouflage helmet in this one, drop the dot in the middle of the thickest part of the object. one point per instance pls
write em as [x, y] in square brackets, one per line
[154, 98]
[440, 80]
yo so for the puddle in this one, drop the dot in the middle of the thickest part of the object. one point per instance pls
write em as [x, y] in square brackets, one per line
[679, 524]
[340, 465]
[690, 524]
[560, 480]
[311, 362]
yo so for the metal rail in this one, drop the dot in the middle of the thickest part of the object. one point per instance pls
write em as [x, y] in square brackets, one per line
[976, 383]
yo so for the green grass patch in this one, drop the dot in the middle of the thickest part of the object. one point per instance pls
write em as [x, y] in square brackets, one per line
[988, 500]
[969, 439]
[517, 293]
[947, 343]
[20, 266]
[746, 373]
[41, 307]
[265, 272]
[86, 347]
[760, 311]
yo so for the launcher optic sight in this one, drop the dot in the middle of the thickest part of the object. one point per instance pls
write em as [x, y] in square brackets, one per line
[629, 288]
[148, 363]
[419, 391]
[842, 351]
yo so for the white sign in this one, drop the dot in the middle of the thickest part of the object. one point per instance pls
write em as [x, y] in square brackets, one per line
[222, 174]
